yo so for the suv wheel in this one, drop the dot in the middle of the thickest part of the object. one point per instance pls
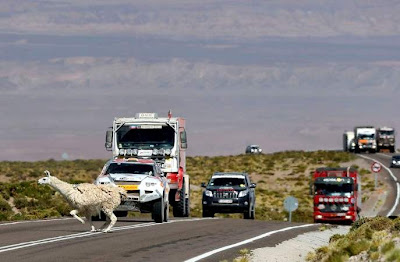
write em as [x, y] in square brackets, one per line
[249, 214]
[207, 213]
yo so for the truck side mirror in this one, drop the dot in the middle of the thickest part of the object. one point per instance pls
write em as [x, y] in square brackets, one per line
[183, 139]
[253, 185]
[203, 184]
[109, 137]
[311, 190]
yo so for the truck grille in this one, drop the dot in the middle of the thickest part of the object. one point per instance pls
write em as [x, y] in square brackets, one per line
[335, 208]
[225, 194]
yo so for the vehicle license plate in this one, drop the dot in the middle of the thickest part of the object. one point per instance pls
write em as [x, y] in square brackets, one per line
[130, 187]
[225, 201]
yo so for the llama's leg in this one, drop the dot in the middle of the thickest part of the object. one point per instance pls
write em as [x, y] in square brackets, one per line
[89, 218]
[113, 220]
[74, 214]
[108, 221]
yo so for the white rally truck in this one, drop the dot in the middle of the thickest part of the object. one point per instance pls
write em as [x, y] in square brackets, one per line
[145, 183]
[162, 139]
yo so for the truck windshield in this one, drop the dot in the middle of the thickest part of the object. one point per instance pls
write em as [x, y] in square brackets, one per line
[367, 136]
[334, 189]
[121, 168]
[228, 181]
[130, 136]
[386, 133]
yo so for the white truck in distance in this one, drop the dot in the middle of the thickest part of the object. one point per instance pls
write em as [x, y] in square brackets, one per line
[348, 141]
[385, 138]
[365, 139]
[162, 139]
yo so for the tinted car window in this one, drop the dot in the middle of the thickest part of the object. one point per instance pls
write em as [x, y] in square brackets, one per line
[227, 181]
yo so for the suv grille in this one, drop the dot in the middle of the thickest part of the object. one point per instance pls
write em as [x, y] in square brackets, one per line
[225, 194]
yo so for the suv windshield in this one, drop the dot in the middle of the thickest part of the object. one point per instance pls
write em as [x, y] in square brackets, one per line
[132, 136]
[122, 168]
[227, 181]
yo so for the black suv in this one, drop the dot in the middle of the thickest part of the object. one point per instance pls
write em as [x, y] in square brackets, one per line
[229, 193]
[395, 161]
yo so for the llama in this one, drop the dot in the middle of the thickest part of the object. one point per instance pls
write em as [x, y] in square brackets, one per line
[89, 199]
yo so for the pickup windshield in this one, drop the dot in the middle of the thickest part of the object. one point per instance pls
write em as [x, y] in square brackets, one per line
[121, 168]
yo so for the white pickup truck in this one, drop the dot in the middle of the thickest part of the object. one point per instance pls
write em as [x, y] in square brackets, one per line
[145, 183]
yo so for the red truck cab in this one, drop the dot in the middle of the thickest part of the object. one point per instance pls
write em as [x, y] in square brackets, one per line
[337, 195]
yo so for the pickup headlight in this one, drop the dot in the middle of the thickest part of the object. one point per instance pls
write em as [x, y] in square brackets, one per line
[243, 193]
[208, 193]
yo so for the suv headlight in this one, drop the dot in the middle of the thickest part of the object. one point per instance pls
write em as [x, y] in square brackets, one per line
[208, 193]
[243, 193]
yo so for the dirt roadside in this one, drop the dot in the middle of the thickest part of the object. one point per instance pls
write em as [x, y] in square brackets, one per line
[296, 249]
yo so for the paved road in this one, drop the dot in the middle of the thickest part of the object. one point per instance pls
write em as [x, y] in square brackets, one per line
[138, 240]
[391, 176]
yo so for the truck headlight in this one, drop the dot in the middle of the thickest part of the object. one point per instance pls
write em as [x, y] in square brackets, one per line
[167, 151]
[321, 206]
[122, 151]
[243, 193]
[134, 151]
[208, 193]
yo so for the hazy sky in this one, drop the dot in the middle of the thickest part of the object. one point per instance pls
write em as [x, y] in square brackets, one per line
[284, 74]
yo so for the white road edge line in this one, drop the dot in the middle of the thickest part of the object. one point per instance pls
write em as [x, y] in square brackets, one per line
[35, 221]
[395, 180]
[86, 234]
[210, 253]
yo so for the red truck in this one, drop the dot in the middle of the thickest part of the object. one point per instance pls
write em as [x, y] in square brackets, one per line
[337, 195]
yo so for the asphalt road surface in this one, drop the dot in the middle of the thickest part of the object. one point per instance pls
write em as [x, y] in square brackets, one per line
[139, 240]
[390, 176]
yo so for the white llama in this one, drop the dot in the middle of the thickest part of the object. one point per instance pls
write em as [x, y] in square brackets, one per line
[89, 199]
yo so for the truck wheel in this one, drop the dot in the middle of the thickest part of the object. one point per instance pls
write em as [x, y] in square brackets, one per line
[179, 207]
[158, 211]
[166, 212]
[392, 149]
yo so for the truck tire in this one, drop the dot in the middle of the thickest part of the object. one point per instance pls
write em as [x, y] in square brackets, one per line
[392, 149]
[166, 212]
[158, 211]
[187, 205]
[180, 207]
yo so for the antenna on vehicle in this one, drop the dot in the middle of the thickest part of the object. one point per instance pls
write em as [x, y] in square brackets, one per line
[169, 113]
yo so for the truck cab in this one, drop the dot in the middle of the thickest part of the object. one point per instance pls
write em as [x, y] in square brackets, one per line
[161, 139]
[385, 137]
[337, 195]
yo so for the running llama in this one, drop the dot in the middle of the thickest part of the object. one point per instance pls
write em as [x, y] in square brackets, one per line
[88, 199]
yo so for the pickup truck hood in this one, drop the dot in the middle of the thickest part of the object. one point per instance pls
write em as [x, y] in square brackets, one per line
[128, 177]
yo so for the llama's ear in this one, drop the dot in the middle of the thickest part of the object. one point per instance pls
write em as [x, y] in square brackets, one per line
[47, 172]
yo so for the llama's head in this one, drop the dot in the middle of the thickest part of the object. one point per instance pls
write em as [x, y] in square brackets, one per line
[46, 179]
